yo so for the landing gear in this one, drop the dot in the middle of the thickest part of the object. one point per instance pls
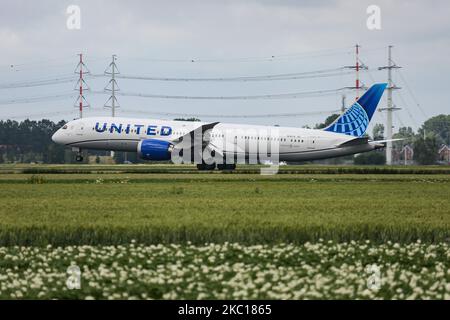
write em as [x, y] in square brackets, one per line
[79, 155]
[206, 167]
[223, 167]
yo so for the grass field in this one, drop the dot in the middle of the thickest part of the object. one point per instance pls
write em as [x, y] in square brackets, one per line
[113, 208]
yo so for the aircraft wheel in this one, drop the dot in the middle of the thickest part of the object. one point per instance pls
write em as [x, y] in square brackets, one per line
[204, 166]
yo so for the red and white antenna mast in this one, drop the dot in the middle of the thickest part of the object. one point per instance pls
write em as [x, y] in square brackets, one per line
[81, 86]
[357, 67]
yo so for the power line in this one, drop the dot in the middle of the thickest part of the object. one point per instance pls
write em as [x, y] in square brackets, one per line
[37, 83]
[294, 95]
[267, 58]
[407, 109]
[37, 99]
[283, 76]
[180, 114]
[270, 115]
[272, 77]
[39, 115]
[411, 93]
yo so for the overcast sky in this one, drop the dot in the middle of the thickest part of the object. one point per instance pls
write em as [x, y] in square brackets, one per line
[224, 38]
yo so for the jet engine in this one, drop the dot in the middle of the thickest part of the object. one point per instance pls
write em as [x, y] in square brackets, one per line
[153, 149]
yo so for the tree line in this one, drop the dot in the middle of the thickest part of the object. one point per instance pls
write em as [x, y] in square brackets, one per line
[30, 141]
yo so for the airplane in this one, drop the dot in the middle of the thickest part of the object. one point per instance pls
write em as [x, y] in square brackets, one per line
[159, 140]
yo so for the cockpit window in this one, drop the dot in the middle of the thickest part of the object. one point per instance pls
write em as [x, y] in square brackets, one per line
[64, 127]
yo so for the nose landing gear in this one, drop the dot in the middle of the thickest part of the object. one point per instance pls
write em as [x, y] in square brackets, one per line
[78, 155]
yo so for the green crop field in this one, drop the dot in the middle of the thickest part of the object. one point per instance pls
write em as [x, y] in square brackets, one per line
[164, 232]
[112, 208]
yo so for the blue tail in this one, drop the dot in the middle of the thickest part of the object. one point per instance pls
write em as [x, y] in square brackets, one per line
[355, 120]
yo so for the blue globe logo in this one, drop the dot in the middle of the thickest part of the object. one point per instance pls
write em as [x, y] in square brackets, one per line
[353, 122]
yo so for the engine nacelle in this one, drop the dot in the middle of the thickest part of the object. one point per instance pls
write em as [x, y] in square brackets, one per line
[153, 149]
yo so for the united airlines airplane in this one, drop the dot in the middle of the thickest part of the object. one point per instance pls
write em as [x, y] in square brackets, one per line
[222, 145]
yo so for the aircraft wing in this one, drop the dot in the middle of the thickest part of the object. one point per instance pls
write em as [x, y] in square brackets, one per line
[198, 133]
[365, 140]
[197, 140]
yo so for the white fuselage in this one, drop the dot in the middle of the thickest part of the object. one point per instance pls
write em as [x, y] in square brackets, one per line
[294, 144]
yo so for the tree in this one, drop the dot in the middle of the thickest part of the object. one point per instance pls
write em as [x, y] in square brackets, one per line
[329, 120]
[440, 126]
[372, 157]
[426, 149]
[378, 131]
[405, 133]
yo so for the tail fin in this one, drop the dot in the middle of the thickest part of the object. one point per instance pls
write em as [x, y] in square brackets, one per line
[355, 120]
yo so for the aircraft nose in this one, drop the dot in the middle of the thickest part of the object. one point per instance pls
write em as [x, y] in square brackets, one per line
[56, 137]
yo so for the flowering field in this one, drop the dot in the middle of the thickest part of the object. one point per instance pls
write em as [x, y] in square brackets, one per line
[321, 270]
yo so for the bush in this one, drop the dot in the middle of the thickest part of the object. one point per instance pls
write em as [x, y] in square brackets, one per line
[35, 179]
[374, 158]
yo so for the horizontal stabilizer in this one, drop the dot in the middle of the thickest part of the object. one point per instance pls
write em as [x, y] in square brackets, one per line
[354, 142]
[389, 140]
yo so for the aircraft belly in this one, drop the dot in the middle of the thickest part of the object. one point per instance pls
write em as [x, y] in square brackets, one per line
[325, 153]
[119, 145]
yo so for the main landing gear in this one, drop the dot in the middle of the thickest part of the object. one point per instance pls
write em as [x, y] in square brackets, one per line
[206, 167]
[223, 167]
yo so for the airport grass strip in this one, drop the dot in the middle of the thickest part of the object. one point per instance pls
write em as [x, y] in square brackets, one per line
[241, 169]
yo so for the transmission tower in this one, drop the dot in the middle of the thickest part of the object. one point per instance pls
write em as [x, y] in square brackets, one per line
[357, 67]
[112, 86]
[81, 86]
[390, 105]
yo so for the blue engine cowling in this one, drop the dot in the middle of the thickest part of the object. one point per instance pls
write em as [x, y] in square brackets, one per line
[153, 149]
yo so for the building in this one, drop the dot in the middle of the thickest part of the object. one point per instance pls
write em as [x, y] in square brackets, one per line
[444, 154]
[404, 156]
[101, 160]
